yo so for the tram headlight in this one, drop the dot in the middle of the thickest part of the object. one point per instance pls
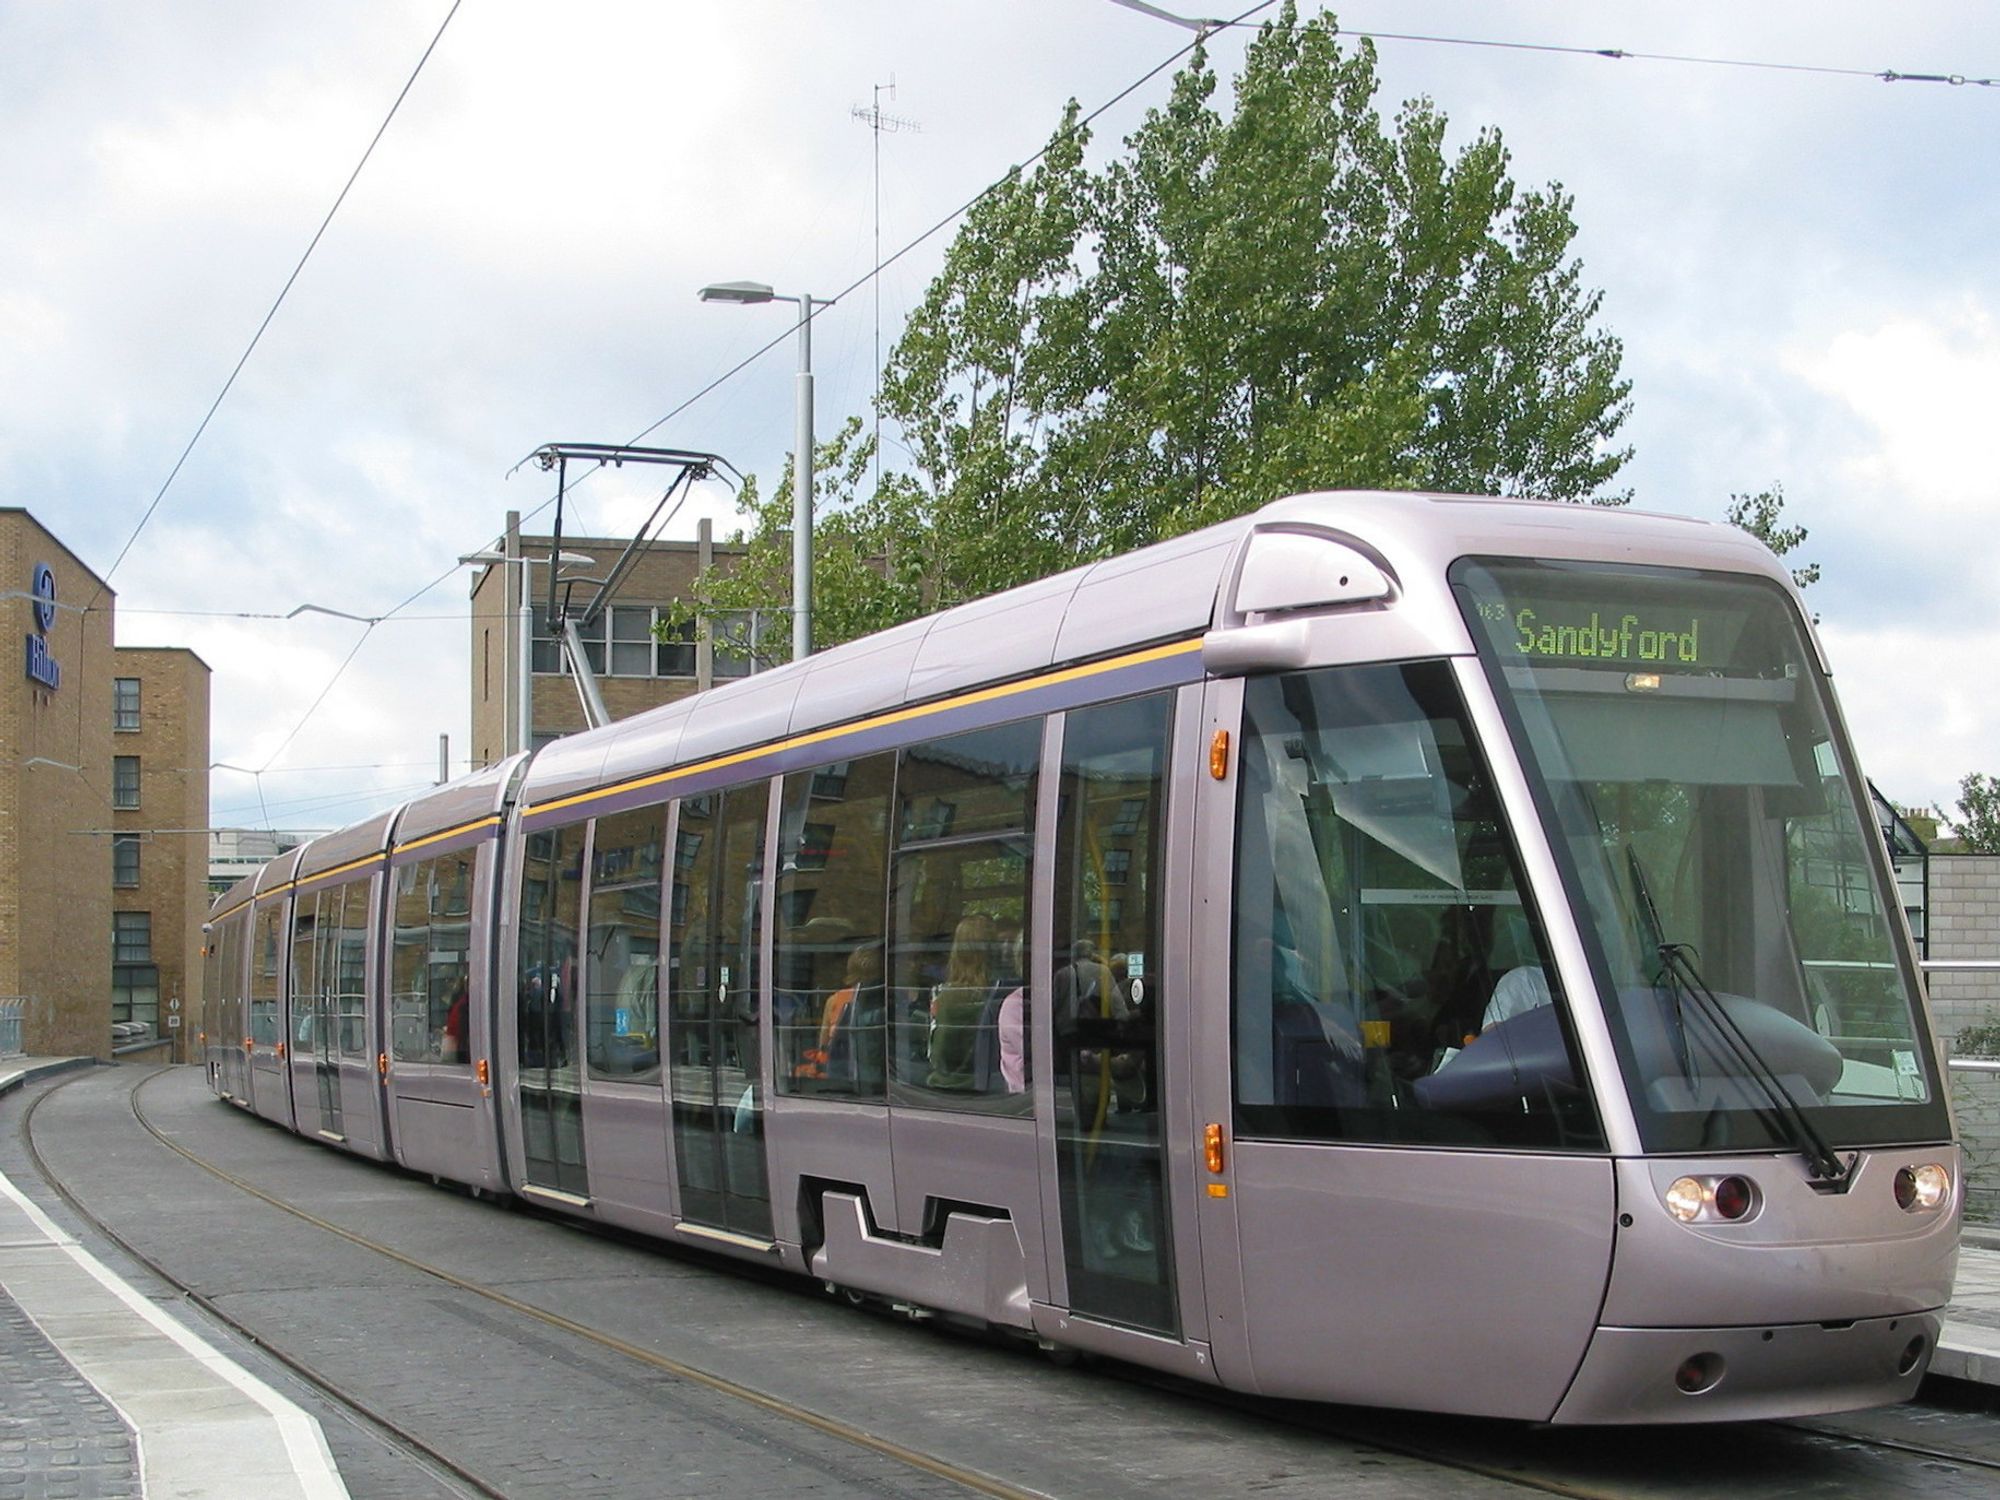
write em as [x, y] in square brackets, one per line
[1733, 1197]
[1685, 1198]
[1921, 1189]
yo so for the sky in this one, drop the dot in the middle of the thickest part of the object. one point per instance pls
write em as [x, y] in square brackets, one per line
[1799, 263]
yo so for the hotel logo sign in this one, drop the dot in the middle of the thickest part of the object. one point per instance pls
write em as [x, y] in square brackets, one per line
[42, 667]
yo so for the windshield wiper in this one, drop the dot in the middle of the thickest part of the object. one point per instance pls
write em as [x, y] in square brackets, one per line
[1785, 1115]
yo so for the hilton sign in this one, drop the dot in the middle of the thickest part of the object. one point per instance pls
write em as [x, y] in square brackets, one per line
[42, 667]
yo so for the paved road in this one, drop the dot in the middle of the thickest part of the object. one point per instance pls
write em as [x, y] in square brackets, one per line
[544, 1413]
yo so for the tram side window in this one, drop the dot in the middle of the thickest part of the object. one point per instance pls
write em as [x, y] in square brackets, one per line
[622, 1009]
[430, 962]
[349, 972]
[305, 934]
[267, 962]
[1389, 979]
[449, 971]
[408, 951]
[830, 1014]
[959, 909]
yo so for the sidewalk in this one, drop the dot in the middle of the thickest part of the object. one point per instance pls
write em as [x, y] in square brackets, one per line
[118, 1398]
[1969, 1346]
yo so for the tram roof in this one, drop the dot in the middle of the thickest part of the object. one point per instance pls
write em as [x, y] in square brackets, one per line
[1172, 590]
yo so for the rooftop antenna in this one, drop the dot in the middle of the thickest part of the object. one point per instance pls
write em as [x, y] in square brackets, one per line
[878, 120]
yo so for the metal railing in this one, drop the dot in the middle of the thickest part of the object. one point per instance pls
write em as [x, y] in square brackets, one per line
[11, 1008]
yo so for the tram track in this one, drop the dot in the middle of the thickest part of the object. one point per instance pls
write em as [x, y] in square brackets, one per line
[442, 1466]
[1524, 1458]
[972, 1481]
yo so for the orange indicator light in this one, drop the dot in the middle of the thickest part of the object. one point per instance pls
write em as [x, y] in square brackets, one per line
[1211, 1146]
[1218, 1190]
[1218, 755]
[382, 1065]
[479, 1069]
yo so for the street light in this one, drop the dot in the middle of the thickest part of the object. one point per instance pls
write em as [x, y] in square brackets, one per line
[519, 727]
[748, 292]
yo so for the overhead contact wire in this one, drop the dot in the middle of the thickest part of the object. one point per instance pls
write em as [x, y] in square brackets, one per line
[285, 291]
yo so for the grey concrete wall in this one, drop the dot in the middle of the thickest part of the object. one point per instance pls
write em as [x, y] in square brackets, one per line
[1965, 924]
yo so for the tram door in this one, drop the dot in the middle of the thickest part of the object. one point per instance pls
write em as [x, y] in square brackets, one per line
[1105, 1014]
[551, 1096]
[231, 1026]
[315, 1059]
[715, 983]
[270, 1090]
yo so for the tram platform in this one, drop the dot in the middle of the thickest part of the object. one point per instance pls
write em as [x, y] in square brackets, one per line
[103, 1394]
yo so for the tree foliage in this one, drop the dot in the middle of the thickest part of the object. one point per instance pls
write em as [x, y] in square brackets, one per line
[1978, 821]
[1290, 296]
[1759, 515]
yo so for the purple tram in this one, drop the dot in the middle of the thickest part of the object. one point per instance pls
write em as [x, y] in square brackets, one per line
[1399, 949]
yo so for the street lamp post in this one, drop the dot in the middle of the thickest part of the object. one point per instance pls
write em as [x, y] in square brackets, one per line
[518, 732]
[802, 448]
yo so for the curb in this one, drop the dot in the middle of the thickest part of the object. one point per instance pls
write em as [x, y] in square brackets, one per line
[11, 1081]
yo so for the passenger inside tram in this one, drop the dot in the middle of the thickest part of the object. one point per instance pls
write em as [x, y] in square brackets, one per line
[958, 1005]
[833, 1054]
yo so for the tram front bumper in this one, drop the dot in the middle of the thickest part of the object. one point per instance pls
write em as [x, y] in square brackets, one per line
[1658, 1375]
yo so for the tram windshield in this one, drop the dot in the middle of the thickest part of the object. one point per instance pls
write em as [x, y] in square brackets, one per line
[1712, 829]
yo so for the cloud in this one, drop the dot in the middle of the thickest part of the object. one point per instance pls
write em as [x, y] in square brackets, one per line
[1923, 391]
[1919, 706]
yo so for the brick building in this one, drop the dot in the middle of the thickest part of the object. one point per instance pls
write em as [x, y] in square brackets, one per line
[159, 851]
[634, 670]
[62, 777]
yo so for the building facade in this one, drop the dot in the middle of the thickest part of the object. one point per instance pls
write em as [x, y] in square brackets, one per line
[66, 833]
[236, 852]
[634, 669]
[159, 847]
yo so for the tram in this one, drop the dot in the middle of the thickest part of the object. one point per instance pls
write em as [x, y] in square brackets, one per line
[1410, 950]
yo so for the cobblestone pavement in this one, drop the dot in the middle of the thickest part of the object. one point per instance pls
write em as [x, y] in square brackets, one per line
[59, 1439]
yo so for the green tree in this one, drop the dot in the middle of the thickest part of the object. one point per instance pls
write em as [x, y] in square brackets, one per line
[1293, 295]
[1978, 821]
[1759, 515]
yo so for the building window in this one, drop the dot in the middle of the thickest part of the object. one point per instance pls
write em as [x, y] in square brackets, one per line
[749, 640]
[125, 704]
[131, 937]
[677, 649]
[135, 995]
[125, 860]
[637, 641]
[631, 641]
[545, 654]
[124, 781]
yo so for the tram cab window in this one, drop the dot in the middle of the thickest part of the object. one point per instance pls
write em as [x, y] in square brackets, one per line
[1379, 909]
[830, 1005]
[1714, 834]
[964, 823]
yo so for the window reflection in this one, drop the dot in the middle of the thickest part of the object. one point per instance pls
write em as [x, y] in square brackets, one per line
[959, 904]
[622, 1011]
[830, 1014]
